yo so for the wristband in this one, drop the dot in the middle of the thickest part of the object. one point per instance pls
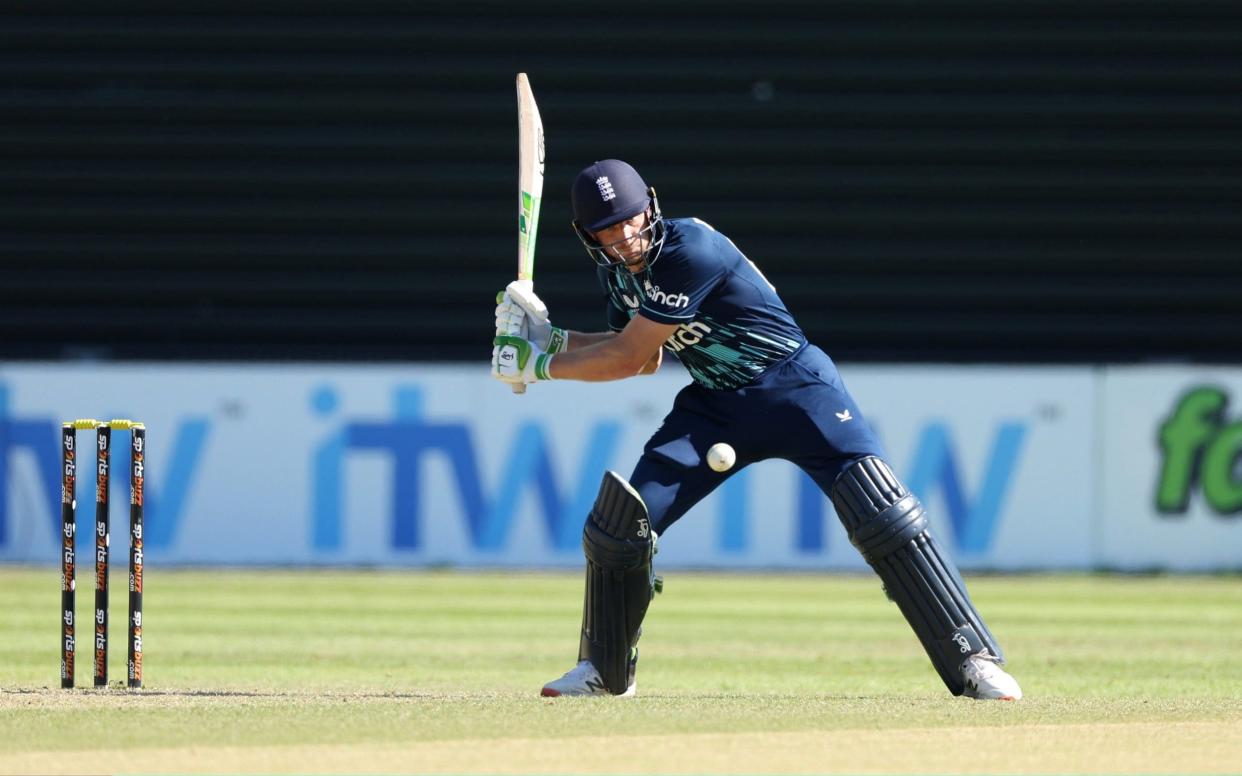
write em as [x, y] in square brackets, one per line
[542, 362]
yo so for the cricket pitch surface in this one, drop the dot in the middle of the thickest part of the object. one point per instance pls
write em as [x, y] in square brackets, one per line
[439, 672]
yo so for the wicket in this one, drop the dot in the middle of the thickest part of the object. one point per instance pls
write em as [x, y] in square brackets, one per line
[68, 560]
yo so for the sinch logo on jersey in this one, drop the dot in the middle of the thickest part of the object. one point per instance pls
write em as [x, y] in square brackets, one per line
[687, 334]
[669, 300]
[659, 297]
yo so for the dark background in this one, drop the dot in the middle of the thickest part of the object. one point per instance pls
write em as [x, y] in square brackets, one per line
[928, 181]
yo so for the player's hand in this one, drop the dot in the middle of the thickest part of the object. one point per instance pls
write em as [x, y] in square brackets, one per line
[510, 318]
[521, 313]
[519, 361]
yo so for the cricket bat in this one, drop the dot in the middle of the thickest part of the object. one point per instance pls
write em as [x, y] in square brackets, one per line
[530, 188]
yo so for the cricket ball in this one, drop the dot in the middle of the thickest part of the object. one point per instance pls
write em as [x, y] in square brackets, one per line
[721, 457]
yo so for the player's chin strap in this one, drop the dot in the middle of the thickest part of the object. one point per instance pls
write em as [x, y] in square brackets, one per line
[620, 582]
[889, 527]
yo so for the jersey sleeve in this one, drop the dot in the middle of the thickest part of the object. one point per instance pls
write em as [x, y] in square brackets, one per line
[614, 314]
[678, 287]
[617, 318]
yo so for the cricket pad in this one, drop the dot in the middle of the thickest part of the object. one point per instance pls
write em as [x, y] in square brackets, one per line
[888, 525]
[619, 545]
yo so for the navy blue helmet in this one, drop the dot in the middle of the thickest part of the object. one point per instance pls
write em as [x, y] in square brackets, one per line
[609, 192]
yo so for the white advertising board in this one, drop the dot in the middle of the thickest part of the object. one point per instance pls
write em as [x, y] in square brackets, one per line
[417, 465]
[1172, 467]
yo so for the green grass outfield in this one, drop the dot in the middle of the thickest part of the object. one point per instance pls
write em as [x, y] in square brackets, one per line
[395, 671]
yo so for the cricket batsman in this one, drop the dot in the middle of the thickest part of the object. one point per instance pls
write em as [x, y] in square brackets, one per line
[760, 387]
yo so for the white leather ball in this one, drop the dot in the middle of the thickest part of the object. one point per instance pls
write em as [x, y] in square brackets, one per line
[721, 457]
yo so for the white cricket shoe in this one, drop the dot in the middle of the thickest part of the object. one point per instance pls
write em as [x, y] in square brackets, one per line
[986, 680]
[583, 679]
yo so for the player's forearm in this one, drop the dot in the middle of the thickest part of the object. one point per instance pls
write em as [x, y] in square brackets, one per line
[653, 363]
[581, 339]
[603, 360]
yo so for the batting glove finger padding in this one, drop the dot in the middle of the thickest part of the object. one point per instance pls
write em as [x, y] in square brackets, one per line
[511, 319]
[538, 328]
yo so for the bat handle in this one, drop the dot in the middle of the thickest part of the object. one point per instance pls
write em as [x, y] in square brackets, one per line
[519, 388]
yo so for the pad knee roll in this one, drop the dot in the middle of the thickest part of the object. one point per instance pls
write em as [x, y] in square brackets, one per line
[619, 544]
[888, 525]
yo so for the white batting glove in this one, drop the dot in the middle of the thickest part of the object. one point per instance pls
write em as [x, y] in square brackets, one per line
[515, 360]
[510, 319]
[521, 313]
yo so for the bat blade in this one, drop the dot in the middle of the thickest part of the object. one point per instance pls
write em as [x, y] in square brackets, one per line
[530, 176]
[530, 184]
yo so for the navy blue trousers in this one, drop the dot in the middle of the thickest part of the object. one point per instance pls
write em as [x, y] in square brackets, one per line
[798, 410]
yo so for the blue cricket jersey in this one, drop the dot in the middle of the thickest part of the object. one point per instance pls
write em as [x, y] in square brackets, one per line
[732, 325]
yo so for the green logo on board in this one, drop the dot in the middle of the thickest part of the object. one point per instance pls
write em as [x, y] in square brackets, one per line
[1201, 450]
